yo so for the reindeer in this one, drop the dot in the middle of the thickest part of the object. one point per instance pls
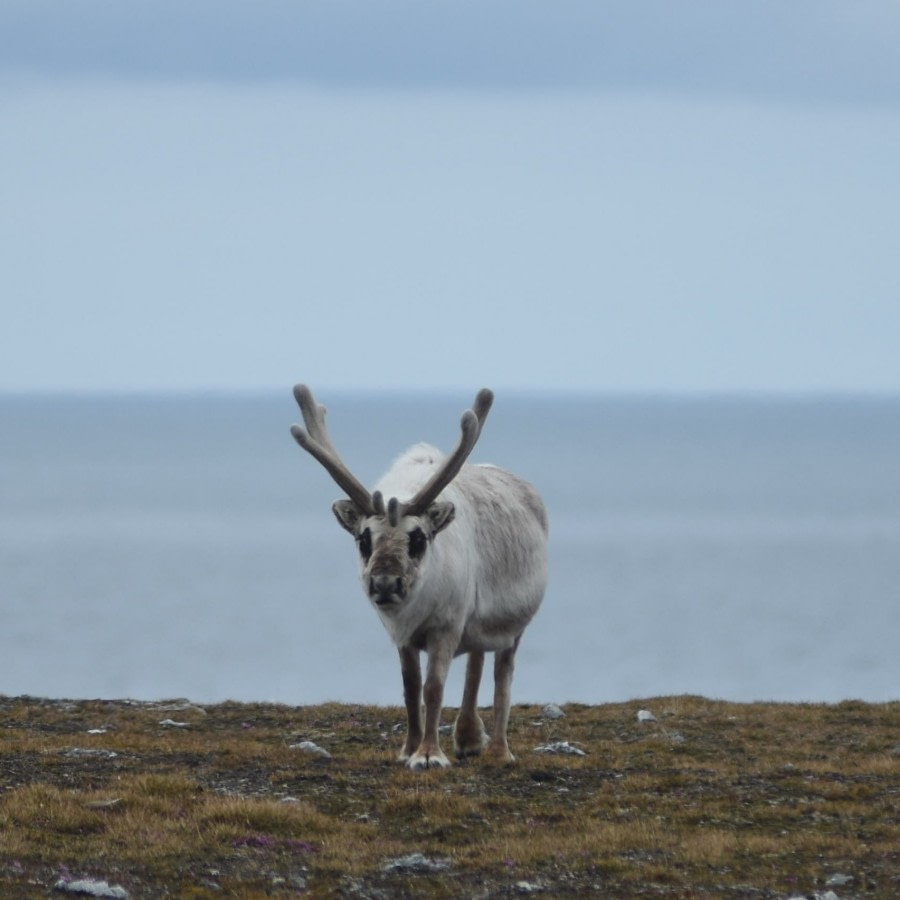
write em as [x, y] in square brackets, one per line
[454, 562]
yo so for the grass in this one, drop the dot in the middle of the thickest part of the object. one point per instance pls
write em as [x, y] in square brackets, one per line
[711, 800]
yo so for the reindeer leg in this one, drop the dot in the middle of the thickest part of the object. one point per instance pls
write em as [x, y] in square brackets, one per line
[504, 664]
[412, 695]
[469, 736]
[429, 753]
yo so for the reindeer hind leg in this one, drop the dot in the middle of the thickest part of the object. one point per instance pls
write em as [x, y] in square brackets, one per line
[469, 736]
[504, 665]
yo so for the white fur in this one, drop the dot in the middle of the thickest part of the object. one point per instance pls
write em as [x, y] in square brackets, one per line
[454, 562]
[479, 584]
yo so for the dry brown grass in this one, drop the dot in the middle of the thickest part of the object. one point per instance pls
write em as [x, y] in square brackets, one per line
[714, 799]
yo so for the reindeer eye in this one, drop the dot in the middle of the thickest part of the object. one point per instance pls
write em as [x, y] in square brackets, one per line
[364, 541]
[417, 543]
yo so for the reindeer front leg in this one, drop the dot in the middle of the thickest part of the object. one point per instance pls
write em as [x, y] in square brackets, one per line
[429, 753]
[412, 696]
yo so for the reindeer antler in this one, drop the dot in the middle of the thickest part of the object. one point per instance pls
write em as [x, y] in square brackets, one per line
[470, 425]
[315, 441]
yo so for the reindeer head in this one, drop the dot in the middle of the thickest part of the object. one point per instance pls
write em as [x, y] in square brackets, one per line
[393, 539]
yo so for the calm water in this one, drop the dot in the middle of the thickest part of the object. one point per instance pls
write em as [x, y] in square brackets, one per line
[161, 546]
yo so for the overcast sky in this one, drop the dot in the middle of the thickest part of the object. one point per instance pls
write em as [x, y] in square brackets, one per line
[655, 196]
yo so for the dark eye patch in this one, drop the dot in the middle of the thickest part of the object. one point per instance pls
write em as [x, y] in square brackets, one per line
[418, 543]
[364, 542]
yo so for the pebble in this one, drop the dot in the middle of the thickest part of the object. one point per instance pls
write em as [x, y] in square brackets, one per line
[89, 751]
[310, 747]
[552, 711]
[171, 723]
[838, 880]
[560, 747]
[92, 888]
[180, 706]
[644, 715]
[104, 804]
[416, 862]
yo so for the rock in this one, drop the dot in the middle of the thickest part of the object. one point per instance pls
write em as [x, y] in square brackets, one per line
[563, 747]
[528, 887]
[112, 803]
[838, 880]
[89, 751]
[90, 887]
[310, 747]
[416, 863]
[171, 723]
[644, 715]
[180, 706]
[552, 711]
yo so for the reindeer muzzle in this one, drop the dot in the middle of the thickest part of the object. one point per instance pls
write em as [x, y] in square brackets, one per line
[386, 589]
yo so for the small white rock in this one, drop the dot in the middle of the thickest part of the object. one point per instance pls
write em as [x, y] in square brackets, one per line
[112, 803]
[310, 747]
[91, 888]
[415, 862]
[838, 880]
[644, 715]
[180, 706]
[171, 723]
[560, 747]
[552, 711]
[90, 751]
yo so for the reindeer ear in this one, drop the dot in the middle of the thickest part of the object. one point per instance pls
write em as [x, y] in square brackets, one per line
[441, 513]
[348, 514]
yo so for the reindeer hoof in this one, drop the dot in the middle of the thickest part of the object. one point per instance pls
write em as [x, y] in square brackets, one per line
[499, 755]
[420, 761]
[467, 746]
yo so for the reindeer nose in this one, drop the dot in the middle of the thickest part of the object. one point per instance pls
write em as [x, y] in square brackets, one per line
[384, 588]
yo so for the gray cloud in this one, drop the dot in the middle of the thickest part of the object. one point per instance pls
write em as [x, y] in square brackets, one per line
[803, 51]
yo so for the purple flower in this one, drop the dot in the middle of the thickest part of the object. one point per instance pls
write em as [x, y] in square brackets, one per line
[260, 841]
[296, 846]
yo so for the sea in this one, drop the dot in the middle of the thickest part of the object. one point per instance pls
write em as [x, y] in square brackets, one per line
[736, 547]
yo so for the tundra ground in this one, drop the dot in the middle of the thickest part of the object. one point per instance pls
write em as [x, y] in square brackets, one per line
[711, 799]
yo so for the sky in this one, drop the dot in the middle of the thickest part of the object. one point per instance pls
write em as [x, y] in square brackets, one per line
[590, 196]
